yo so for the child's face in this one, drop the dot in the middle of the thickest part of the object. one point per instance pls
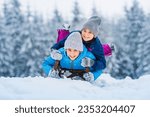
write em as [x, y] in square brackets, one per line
[72, 53]
[86, 34]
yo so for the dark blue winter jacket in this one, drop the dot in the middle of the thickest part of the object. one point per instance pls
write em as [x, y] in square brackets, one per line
[67, 63]
[94, 46]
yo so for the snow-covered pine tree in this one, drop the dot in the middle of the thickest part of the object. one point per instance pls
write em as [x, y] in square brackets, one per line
[11, 32]
[135, 17]
[36, 51]
[55, 23]
[27, 47]
[3, 51]
[14, 22]
[117, 65]
[77, 18]
[94, 10]
[132, 26]
[144, 49]
[5, 48]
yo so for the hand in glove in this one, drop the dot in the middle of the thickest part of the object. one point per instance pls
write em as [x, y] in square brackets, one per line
[56, 54]
[87, 62]
[54, 73]
[88, 77]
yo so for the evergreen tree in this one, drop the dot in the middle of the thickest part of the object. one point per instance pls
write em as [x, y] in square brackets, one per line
[135, 17]
[55, 23]
[13, 23]
[36, 51]
[77, 19]
[144, 49]
[3, 51]
[94, 10]
[27, 46]
[118, 62]
[132, 26]
[6, 42]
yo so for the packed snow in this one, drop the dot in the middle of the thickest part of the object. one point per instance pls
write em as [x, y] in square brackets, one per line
[105, 88]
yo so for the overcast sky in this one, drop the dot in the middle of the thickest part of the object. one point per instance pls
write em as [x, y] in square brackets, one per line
[108, 8]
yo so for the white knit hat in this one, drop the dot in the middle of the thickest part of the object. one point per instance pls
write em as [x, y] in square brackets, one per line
[74, 41]
[93, 24]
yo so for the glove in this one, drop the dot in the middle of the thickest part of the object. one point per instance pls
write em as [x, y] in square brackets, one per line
[56, 54]
[87, 62]
[88, 77]
[54, 74]
[66, 26]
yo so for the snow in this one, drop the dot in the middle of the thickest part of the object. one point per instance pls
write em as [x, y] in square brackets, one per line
[105, 88]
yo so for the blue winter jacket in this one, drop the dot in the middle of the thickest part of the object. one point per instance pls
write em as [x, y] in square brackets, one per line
[65, 62]
[93, 46]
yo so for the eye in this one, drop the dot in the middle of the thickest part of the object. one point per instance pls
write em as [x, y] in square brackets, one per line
[90, 32]
[84, 30]
[69, 49]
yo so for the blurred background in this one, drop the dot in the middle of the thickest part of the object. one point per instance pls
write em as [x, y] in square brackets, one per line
[28, 28]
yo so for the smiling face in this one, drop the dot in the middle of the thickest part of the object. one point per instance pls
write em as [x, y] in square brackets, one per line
[86, 34]
[72, 53]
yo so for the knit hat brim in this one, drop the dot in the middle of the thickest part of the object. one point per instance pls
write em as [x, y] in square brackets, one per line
[93, 25]
[74, 41]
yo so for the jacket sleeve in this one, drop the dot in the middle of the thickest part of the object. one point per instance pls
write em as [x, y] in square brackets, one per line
[48, 64]
[58, 45]
[96, 72]
[98, 52]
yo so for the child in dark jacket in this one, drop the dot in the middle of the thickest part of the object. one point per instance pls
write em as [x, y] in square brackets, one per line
[89, 33]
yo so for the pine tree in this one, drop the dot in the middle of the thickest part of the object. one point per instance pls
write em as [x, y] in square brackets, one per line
[128, 31]
[6, 42]
[16, 25]
[144, 49]
[94, 10]
[118, 62]
[3, 51]
[36, 51]
[55, 23]
[135, 17]
[77, 19]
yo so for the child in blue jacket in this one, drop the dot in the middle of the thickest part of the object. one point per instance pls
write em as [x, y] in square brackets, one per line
[73, 56]
[89, 33]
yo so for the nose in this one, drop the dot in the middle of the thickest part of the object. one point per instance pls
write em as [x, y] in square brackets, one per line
[86, 34]
[71, 54]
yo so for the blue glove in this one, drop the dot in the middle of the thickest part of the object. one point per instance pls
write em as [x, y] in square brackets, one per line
[56, 54]
[87, 62]
[88, 77]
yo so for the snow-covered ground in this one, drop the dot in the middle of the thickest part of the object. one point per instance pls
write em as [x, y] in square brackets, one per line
[105, 87]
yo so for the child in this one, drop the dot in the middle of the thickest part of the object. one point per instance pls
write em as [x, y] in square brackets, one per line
[89, 35]
[73, 59]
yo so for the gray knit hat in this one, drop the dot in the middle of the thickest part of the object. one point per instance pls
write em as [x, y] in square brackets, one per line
[74, 41]
[93, 25]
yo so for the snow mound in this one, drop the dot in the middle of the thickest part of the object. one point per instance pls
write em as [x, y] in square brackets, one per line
[105, 88]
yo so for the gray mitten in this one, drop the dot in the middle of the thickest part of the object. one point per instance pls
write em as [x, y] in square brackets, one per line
[56, 54]
[54, 74]
[87, 62]
[89, 77]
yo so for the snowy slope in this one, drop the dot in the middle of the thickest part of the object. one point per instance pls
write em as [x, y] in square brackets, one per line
[105, 87]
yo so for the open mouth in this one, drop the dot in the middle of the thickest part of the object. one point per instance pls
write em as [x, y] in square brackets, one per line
[72, 58]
